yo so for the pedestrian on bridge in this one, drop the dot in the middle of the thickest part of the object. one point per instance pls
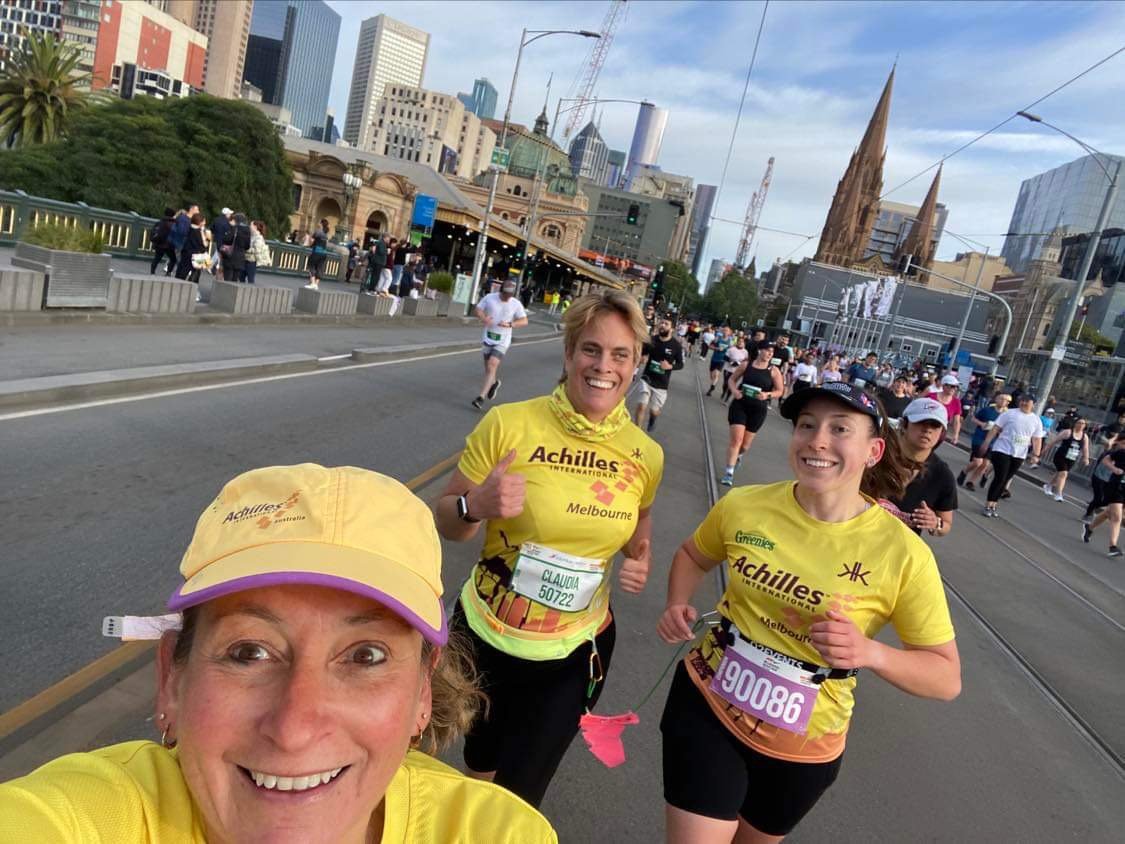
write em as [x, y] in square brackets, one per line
[562, 483]
[758, 712]
[312, 663]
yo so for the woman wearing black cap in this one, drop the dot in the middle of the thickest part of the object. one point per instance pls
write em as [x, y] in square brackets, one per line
[817, 567]
[753, 384]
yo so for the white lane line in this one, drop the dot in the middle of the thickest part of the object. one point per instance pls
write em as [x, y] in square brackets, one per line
[333, 357]
[226, 385]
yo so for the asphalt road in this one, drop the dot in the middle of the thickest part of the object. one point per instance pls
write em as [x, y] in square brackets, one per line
[98, 503]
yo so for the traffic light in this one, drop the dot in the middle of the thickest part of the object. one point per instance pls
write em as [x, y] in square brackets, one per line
[632, 214]
[658, 282]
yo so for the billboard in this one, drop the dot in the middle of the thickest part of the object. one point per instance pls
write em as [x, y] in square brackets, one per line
[425, 211]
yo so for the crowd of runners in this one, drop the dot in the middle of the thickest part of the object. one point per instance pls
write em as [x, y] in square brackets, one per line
[554, 489]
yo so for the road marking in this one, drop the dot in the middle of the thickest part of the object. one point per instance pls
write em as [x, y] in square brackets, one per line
[74, 684]
[333, 357]
[43, 411]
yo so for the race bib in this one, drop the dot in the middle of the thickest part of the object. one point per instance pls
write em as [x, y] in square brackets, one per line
[750, 391]
[859, 382]
[775, 361]
[1073, 452]
[988, 426]
[1021, 440]
[762, 683]
[495, 336]
[556, 579]
[654, 366]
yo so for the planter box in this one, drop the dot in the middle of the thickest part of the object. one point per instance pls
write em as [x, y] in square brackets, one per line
[234, 298]
[146, 294]
[443, 304]
[419, 307]
[379, 306]
[327, 302]
[21, 290]
[73, 279]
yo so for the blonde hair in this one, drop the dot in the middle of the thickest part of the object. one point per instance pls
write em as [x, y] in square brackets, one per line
[585, 309]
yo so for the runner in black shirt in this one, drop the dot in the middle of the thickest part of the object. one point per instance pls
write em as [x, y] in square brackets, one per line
[895, 399]
[661, 355]
[1111, 467]
[931, 497]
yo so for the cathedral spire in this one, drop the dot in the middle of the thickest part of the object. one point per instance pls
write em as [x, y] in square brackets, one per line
[855, 206]
[920, 241]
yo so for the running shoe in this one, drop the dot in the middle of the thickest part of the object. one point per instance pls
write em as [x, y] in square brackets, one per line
[1005, 494]
[727, 479]
[478, 402]
[1087, 532]
[1114, 551]
[1059, 498]
[970, 486]
[961, 479]
[1047, 490]
[987, 512]
[494, 389]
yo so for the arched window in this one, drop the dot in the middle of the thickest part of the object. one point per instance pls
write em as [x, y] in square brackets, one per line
[516, 191]
[552, 232]
[503, 215]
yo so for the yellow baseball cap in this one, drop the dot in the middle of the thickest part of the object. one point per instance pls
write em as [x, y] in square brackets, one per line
[342, 527]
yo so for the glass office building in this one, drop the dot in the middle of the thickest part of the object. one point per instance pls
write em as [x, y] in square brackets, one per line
[290, 54]
[1068, 197]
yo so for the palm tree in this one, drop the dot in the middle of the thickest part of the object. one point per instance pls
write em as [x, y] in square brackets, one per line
[39, 91]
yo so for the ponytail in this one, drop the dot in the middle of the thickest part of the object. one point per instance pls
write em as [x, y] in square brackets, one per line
[890, 476]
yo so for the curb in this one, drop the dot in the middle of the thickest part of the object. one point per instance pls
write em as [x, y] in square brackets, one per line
[56, 389]
[18, 319]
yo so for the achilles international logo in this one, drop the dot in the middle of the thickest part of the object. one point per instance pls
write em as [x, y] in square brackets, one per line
[754, 539]
[267, 513]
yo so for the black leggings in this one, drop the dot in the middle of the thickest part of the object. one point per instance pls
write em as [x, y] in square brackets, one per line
[533, 713]
[1005, 467]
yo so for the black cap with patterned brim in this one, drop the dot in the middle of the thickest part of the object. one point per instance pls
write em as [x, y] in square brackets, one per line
[853, 397]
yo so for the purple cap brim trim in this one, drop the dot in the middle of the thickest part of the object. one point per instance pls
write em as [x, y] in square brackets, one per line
[439, 636]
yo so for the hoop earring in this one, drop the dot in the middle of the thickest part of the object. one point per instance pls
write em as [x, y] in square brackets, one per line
[164, 740]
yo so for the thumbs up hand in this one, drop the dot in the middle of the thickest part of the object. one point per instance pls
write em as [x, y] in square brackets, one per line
[634, 571]
[501, 495]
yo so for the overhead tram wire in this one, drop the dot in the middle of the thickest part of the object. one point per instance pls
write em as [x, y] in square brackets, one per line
[1003, 122]
[741, 104]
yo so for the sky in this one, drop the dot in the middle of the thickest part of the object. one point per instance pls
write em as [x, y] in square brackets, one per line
[961, 69]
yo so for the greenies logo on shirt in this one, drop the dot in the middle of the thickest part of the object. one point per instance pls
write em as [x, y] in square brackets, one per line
[754, 539]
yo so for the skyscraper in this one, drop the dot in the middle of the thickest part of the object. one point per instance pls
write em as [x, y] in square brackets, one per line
[388, 52]
[648, 135]
[1068, 197]
[700, 225]
[80, 28]
[16, 19]
[615, 172]
[851, 217]
[226, 23]
[289, 56]
[589, 156]
[482, 102]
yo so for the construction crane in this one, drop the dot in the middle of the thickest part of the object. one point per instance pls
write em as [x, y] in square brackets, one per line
[753, 212]
[598, 52]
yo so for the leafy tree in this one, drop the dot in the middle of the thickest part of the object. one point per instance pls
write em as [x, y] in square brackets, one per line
[145, 154]
[681, 286]
[1089, 334]
[734, 299]
[40, 91]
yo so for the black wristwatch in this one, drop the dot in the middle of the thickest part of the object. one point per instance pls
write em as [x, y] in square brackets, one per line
[463, 510]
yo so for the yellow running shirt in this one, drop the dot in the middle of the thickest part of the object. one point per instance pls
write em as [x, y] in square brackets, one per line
[786, 570]
[134, 793]
[583, 498]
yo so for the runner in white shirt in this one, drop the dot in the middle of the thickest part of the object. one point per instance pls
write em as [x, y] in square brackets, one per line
[1014, 433]
[804, 374]
[500, 313]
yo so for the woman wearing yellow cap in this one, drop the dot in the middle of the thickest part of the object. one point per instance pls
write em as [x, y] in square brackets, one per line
[563, 483]
[312, 657]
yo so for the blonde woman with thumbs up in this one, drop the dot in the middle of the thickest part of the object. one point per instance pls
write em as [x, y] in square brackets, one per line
[561, 483]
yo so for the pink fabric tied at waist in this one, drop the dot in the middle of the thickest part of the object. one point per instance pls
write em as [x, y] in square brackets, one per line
[603, 735]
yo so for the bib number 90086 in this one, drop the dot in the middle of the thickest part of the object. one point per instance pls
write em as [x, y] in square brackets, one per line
[760, 694]
[763, 687]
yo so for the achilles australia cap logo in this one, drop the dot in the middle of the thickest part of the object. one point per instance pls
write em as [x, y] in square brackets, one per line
[266, 513]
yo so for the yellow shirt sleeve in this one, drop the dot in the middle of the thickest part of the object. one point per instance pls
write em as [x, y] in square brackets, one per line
[656, 462]
[482, 448]
[921, 613]
[708, 536]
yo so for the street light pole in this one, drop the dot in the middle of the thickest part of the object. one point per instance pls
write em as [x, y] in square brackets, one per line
[482, 238]
[1047, 383]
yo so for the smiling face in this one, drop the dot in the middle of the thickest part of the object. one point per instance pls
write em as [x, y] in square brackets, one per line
[293, 711]
[599, 369]
[831, 446]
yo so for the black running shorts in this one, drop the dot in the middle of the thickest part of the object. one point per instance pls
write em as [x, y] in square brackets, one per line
[533, 713]
[709, 772]
[748, 412]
